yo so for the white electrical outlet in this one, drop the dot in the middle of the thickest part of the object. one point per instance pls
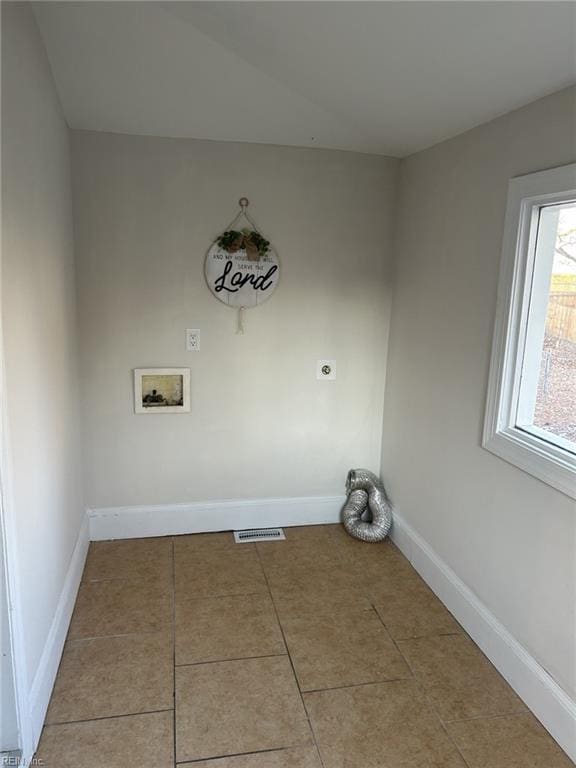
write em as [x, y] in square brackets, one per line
[193, 339]
[326, 370]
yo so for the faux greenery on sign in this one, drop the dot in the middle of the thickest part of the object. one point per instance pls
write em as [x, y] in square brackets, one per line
[248, 240]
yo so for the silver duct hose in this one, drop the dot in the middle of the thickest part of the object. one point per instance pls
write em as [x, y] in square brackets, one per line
[364, 489]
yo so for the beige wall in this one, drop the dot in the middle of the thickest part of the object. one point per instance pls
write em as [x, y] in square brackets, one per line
[261, 425]
[39, 325]
[510, 537]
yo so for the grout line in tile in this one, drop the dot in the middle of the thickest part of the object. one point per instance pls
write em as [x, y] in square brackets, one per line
[394, 640]
[487, 717]
[219, 597]
[427, 636]
[126, 577]
[110, 637]
[360, 685]
[451, 739]
[108, 579]
[398, 648]
[236, 754]
[292, 664]
[107, 717]
[193, 558]
[238, 658]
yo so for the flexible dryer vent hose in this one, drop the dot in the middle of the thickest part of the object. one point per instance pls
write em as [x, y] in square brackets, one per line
[364, 489]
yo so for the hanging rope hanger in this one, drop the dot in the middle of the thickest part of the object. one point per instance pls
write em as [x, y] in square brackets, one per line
[243, 213]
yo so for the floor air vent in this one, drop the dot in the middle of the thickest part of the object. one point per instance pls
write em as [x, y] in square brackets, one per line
[259, 534]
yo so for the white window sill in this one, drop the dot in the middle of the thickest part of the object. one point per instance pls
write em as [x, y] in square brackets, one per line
[532, 453]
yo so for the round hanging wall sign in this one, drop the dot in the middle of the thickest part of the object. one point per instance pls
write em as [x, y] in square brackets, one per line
[242, 268]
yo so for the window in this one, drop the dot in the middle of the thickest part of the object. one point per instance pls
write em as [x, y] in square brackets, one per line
[531, 406]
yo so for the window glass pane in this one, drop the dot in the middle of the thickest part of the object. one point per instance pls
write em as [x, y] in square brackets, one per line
[555, 404]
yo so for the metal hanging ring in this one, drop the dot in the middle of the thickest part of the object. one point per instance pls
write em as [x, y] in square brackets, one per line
[243, 202]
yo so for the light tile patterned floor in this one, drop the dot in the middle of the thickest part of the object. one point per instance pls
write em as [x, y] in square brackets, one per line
[316, 652]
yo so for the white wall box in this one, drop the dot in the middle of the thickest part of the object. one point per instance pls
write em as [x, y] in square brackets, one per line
[326, 370]
[192, 339]
[162, 390]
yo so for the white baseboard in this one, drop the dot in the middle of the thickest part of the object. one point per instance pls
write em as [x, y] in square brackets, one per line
[43, 682]
[203, 517]
[549, 702]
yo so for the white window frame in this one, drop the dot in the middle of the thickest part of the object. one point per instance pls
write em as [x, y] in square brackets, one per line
[535, 451]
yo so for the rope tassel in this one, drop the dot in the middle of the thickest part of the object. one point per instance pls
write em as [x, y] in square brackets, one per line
[240, 321]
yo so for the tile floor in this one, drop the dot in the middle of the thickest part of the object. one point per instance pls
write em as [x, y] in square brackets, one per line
[316, 652]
